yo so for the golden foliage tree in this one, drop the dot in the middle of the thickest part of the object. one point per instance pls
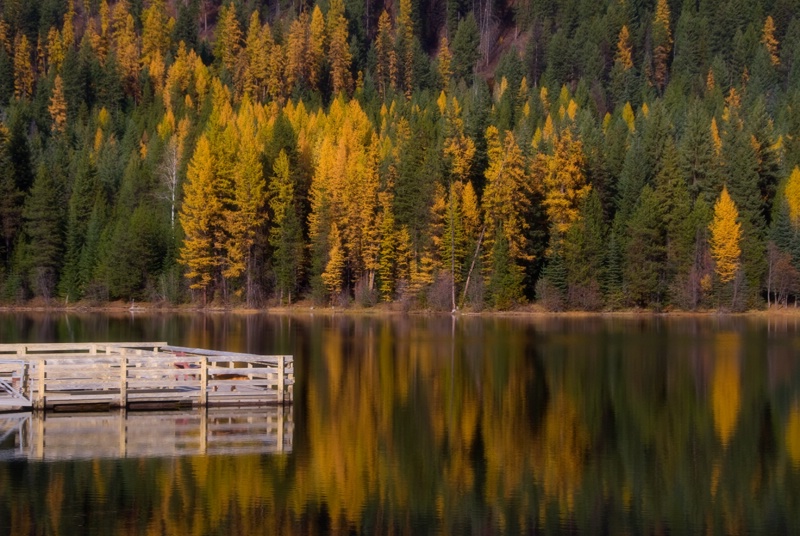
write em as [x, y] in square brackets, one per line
[769, 40]
[227, 44]
[405, 28]
[316, 47]
[506, 198]
[624, 55]
[339, 49]
[23, 68]
[563, 181]
[156, 31]
[662, 44]
[58, 106]
[297, 55]
[726, 233]
[445, 62]
[386, 64]
[200, 218]
[333, 276]
[792, 194]
[126, 47]
[245, 211]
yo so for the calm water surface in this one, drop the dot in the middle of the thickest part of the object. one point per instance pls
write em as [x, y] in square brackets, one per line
[420, 425]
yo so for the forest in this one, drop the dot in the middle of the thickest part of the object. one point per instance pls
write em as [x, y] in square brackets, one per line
[484, 154]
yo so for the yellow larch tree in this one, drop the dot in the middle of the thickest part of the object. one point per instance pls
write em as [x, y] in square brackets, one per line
[726, 233]
[445, 62]
[624, 55]
[68, 29]
[297, 56]
[562, 179]
[23, 68]
[662, 44]
[228, 39]
[769, 40]
[506, 197]
[200, 219]
[386, 64]
[338, 48]
[333, 276]
[405, 28]
[276, 67]
[126, 47]
[245, 213]
[55, 49]
[316, 47]
[58, 106]
[156, 31]
[792, 194]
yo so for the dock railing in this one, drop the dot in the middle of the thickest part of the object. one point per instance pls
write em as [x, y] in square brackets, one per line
[144, 375]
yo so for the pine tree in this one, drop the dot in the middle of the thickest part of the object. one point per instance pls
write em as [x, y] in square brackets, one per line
[285, 235]
[10, 200]
[43, 231]
[645, 252]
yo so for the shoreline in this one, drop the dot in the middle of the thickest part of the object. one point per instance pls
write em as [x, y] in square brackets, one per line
[302, 308]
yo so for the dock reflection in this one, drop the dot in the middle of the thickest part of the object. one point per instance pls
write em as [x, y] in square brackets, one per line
[120, 434]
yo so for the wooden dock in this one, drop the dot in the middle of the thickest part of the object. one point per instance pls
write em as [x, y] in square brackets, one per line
[148, 375]
[50, 436]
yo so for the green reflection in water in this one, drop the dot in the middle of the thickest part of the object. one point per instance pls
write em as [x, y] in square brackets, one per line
[437, 425]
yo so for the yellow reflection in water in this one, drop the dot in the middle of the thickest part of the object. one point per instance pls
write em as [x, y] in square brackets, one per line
[726, 385]
[793, 435]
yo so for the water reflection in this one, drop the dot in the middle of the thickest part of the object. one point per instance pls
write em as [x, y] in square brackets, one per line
[419, 425]
[119, 434]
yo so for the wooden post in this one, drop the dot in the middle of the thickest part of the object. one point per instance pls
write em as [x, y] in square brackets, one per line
[203, 381]
[40, 402]
[25, 381]
[123, 378]
[92, 349]
[282, 378]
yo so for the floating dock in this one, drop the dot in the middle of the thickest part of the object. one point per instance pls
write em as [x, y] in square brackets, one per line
[147, 375]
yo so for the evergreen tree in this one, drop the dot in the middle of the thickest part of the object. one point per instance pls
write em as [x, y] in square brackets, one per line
[285, 236]
[43, 232]
[645, 252]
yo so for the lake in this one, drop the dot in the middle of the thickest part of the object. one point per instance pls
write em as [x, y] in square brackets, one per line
[433, 425]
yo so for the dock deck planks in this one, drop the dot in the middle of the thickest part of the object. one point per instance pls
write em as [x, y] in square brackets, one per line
[47, 376]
